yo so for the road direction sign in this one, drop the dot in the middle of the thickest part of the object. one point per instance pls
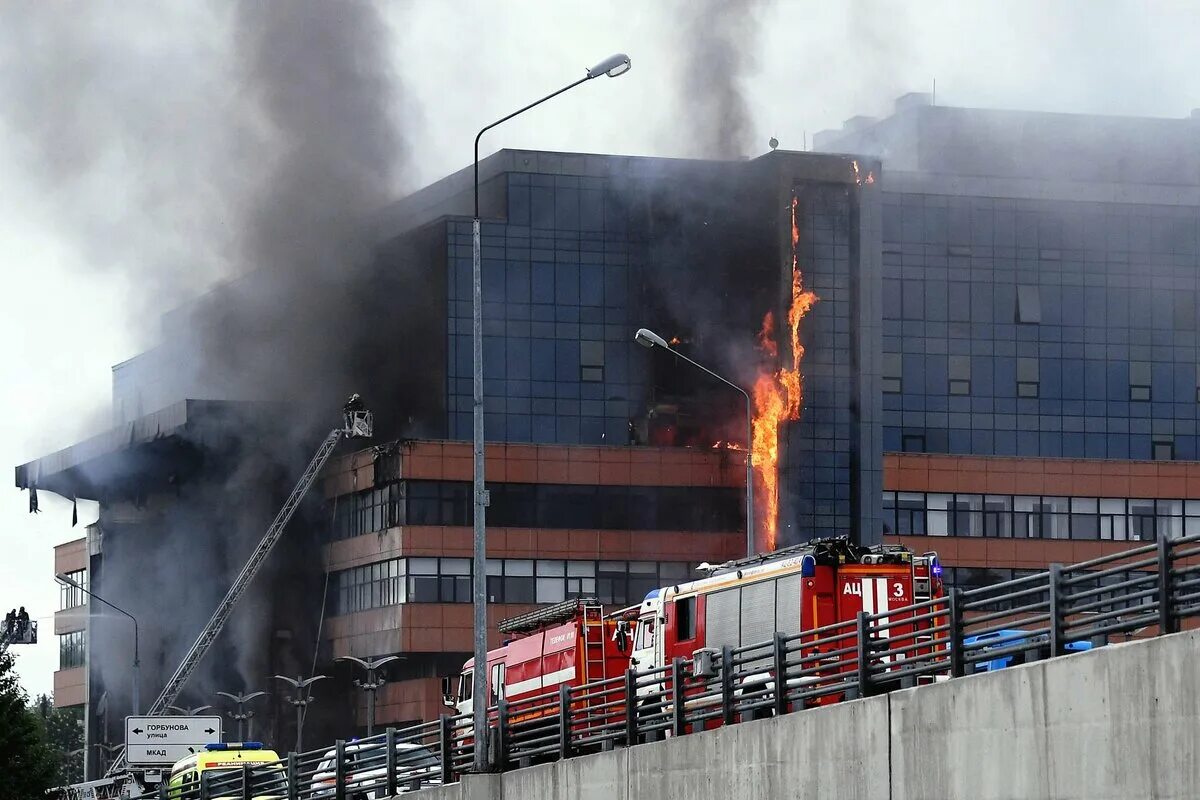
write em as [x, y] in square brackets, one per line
[165, 740]
[159, 755]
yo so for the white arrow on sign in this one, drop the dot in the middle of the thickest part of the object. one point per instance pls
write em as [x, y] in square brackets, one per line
[161, 731]
[158, 755]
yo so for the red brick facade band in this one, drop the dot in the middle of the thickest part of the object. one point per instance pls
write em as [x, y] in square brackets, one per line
[1057, 477]
[531, 463]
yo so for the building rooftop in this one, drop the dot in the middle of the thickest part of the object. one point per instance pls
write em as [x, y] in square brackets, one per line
[124, 454]
[922, 137]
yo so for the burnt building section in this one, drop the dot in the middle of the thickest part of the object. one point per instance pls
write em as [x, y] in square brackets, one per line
[185, 493]
[601, 466]
[1039, 341]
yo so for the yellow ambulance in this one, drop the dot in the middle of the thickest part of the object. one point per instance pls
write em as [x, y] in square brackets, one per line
[221, 767]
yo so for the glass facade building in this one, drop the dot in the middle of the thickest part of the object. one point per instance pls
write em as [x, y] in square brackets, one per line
[1040, 328]
[558, 293]
[1041, 297]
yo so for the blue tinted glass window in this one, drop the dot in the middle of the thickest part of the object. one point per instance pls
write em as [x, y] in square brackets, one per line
[543, 283]
[914, 299]
[518, 204]
[517, 354]
[517, 282]
[542, 351]
[566, 284]
[566, 209]
[960, 302]
[566, 361]
[591, 284]
[591, 210]
[541, 207]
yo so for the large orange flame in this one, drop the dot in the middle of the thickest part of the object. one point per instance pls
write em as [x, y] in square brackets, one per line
[778, 396]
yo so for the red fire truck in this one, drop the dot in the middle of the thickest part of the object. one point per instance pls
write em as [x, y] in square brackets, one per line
[739, 603]
[801, 588]
[570, 643]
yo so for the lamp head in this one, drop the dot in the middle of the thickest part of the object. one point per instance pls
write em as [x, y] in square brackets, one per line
[62, 578]
[613, 66]
[649, 339]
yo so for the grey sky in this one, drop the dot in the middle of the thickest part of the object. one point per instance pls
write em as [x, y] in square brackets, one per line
[116, 149]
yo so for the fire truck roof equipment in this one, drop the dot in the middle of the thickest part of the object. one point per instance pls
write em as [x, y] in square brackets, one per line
[833, 550]
[550, 615]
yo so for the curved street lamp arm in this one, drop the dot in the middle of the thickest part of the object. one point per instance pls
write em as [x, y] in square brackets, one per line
[114, 607]
[703, 368]
[504, 119]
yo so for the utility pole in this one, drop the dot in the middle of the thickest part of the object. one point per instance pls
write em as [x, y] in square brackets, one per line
[243, 717]
[371, 684]
[301, 700]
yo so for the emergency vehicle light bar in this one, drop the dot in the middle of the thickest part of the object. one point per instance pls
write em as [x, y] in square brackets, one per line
[233, 746]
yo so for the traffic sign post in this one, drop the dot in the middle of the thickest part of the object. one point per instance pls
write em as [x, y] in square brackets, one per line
[161, 741]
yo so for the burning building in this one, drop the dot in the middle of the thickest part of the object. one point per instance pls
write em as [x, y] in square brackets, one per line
[601, 465]
[977, 329]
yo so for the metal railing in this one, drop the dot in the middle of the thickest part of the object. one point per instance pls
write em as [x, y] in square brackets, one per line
[1143, 591]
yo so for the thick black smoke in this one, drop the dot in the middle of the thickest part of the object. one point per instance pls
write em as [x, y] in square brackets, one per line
[328, 107]
[253, 142]
[718, 43]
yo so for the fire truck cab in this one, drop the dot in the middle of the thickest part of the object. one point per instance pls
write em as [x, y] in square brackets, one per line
[568, 643]
[800, 588]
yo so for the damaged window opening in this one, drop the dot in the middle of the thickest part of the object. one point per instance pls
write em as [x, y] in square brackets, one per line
[1139, 381]
[1029, 305]
[1163, 450]
[959, 368]
[1027, 377]
[893, 382]
[591, 362]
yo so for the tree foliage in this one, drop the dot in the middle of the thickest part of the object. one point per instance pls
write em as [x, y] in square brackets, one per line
[29, 766]
[63, 730]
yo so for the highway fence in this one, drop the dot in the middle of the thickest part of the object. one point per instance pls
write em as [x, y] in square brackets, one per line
[1149, 590]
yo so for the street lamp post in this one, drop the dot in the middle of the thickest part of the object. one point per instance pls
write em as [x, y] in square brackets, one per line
[303, 697]
[184, 711]
[243, 717]
[137, 664]
[649, 339]
[612, 66]
[372, 684]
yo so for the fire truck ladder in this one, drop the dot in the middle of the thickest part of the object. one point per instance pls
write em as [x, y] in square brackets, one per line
[358, 424]
[592, 625]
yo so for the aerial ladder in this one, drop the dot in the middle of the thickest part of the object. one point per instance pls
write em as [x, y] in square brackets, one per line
[357, 423]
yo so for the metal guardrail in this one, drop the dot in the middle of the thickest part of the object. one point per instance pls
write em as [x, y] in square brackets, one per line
[1144, 591]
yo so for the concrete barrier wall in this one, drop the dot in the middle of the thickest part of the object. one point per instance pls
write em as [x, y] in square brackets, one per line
[1118, 722]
